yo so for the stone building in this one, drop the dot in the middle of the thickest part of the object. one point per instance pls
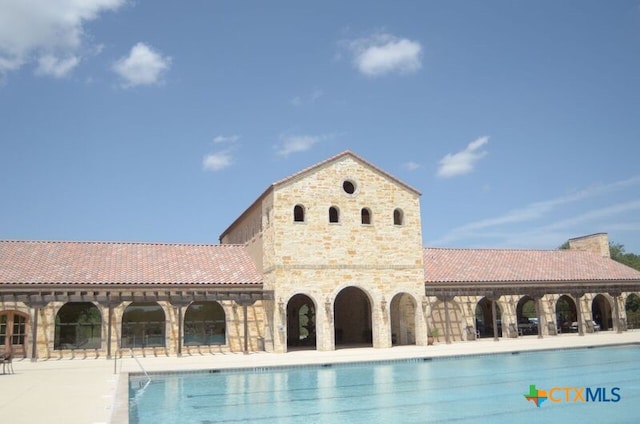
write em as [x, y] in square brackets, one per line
[331, 256]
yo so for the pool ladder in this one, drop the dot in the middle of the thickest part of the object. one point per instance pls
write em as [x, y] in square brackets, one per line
[146, 374]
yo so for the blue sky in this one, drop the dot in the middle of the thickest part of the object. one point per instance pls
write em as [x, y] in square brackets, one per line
[162, 121]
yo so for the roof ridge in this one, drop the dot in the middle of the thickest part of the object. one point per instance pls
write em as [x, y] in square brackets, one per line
[501, 249]
[140, 243]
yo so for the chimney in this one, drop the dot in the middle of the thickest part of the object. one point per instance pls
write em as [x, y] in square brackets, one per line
[596, 243]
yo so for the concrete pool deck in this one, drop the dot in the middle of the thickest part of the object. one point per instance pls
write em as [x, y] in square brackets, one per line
[92, 391]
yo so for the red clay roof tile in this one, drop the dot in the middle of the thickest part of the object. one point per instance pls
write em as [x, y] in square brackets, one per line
[495, 265]
[104, 263]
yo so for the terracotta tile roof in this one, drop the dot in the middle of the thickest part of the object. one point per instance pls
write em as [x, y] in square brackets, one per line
[104, 263]
[494, 265]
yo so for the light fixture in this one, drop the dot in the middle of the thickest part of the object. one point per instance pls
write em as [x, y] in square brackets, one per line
[327, 306]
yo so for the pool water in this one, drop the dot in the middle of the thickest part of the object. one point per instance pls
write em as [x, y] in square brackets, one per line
[465, 389]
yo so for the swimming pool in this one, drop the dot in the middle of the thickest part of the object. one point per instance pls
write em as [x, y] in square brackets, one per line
[578, 383]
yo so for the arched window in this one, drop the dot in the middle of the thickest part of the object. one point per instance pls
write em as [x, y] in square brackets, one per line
[334, 214]
[204, 324]
[365, 215]
[298, 213]
[398, 217]
[78, 326]
[143, 325]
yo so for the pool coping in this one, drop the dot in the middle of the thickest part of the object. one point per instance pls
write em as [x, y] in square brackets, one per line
[261, 369]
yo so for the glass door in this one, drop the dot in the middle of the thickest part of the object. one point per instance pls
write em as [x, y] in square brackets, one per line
[13, 326]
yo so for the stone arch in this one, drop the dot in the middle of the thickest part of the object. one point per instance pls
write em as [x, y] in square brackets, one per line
[205, 324]
[601, 312]
[526, 316]
[632, 310]
[352, 317]
[301, 322]
[566, 313]
[439, 312]
[143, 325]
[484, 318]
[403, 319]
[78, 325]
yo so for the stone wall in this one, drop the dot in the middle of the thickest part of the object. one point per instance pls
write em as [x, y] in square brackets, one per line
[597, 243]
[320, 258]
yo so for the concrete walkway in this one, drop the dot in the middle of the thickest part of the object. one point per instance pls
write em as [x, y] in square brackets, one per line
[91, 391]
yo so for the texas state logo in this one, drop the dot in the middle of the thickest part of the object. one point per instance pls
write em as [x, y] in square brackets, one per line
[536, 396]
[572, 394]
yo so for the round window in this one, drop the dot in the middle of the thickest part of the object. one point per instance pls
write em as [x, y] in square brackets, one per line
[349, 187]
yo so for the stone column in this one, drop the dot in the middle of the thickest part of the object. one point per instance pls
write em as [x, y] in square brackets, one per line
[494, 318]
[245, 303]
[36, 304]
[326, 337]
[179, 303]
[578, 297]
[380, 330]
[109, 303]
[447, 319]
[536, 300]
[616, 311]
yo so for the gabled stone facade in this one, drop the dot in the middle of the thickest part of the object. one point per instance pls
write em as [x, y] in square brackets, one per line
[314, 241]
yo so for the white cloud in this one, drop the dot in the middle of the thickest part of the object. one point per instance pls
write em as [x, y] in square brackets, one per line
[217, 161]
[143, 66]
[48, 31]
[381, 54]
[56, 67]
[411, 166]
[297, 143]
[226, 139]
[464, 161]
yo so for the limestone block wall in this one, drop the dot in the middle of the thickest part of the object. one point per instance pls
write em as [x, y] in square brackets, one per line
[316, 241]
[598, 243]
[323, 285]
[316, 257]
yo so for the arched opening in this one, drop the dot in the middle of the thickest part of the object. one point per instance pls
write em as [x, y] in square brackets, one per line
[365, 216]
[566, 314]
[352, 317]
[601, 313]
[78, 326]
[398, 217]
[205, 324]
[484, 319]
[403, 319]
[526, 316]
[334, 215]
[13, 332]
[298, 213]
[301, 322]
[143, 325]
[632, 308]
[446, 317]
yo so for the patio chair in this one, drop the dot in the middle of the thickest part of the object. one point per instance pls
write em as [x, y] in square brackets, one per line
[7, 363]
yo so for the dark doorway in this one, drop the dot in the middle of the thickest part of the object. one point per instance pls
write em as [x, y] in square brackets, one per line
[301, 322]
[352, 323]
